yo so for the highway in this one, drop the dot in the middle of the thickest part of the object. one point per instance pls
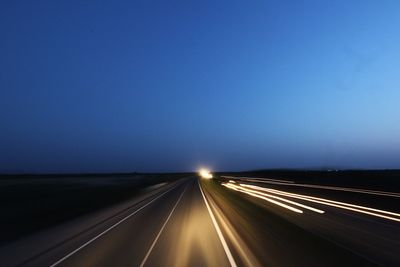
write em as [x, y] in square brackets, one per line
[231, 221]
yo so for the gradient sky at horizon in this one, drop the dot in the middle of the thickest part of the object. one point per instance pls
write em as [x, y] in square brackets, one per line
[96, 86]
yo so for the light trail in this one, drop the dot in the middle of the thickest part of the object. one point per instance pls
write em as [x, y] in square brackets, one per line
[256, 179]
[328, 202]
[279, 198]
[262, 197]
[345, 189]
[321, 199]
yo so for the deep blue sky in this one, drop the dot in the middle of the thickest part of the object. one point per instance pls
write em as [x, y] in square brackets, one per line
[90, 86]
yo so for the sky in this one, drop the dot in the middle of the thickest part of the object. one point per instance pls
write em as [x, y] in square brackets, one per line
[119, 86]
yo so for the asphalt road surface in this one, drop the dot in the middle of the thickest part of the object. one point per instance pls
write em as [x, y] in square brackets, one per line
[232, 221]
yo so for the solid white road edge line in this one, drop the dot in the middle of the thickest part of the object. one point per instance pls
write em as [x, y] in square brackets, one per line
[108, 229]
[221, 237]
[162, 228]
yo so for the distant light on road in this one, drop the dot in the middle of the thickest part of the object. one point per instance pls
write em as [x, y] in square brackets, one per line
[206, 174]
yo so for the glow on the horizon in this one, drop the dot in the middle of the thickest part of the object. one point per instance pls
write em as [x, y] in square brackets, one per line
[206, 174]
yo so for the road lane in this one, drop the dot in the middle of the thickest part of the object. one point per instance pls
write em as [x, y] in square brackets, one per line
[47, 247]
[83, 246]
[173, 228]
[190, 238]
[161, 230]
[218, 229]
[125, 245]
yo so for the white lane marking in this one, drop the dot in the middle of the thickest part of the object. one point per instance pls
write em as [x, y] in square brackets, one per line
[221, 237]
[162, 228]
[108, 229]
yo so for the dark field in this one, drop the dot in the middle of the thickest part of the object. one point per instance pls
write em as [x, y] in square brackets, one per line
[29, 203]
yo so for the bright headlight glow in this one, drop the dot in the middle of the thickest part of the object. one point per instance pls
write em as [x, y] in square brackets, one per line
[204, 173]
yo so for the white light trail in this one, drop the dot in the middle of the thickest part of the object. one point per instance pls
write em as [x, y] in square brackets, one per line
[345, 189]
[263, 197]
[280, 198]
[257, 179]
[328, 202]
